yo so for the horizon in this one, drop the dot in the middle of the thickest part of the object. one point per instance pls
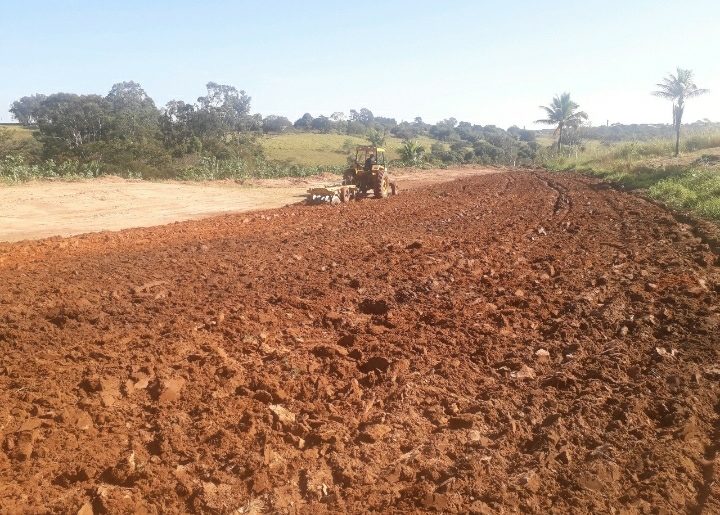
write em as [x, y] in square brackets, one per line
[315, 58]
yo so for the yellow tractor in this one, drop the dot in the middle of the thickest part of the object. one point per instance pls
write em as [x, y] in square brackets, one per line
[367, 172]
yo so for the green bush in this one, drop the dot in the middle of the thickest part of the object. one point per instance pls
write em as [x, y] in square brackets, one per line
[15, 169]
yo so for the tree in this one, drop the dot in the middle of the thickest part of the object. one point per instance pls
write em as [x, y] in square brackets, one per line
[364, 116]
[385, 122]
[177, 128]
[25, 110]
[68, 122]
[304, 123]
[224, 109]
[405, 130]
[376, 137]
[322, 124]
[252, 123]
[678, 88]
[134, 116]
[275, 123]
[444, 130]
[411, 152]
[521, 134]
[486, 152]
[563, 113]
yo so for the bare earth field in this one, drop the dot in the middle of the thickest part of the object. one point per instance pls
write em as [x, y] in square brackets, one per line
[516, 342]
[43, 209]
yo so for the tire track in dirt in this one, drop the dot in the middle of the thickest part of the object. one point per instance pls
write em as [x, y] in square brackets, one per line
[563, 203]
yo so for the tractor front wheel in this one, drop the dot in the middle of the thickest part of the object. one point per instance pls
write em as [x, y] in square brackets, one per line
[382, 184]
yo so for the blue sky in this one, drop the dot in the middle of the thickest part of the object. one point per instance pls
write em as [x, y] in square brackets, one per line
[480, 61]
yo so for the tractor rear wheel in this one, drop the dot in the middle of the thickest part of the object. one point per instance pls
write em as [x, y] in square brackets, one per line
[382, 184]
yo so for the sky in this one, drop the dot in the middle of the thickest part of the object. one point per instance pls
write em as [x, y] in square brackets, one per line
[486, 62]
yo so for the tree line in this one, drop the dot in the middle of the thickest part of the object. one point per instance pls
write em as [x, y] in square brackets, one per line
[125, 130]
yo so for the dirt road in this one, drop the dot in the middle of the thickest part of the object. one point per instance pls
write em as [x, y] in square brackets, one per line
[503, 343]
[40, 210]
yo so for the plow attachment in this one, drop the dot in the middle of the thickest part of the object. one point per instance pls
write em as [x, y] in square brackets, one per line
[339, 194]
[332, 194]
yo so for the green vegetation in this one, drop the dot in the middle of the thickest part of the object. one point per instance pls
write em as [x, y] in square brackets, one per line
[211, 168]
[313, 149]
[124, 133]
[411, 152]
[695, 190]
[16, 169]
[688, 182]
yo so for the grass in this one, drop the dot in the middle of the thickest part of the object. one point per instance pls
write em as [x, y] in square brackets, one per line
[210, 168]
[694, 190]
[15, 127]
[689, 182]
[15, 131]
[310, 149]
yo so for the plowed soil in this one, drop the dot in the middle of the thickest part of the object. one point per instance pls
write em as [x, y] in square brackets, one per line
[513, 342]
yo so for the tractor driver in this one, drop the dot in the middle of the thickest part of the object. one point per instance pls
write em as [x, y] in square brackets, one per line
[369, 162]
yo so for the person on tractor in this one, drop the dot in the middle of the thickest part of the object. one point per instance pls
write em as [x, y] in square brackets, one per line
[369, 162]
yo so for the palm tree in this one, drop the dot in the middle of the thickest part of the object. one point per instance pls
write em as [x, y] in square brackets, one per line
[678, 88]
[563, 113]
[411, 152]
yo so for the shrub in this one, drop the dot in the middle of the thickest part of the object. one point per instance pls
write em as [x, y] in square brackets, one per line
[211, 168]
[16, 169]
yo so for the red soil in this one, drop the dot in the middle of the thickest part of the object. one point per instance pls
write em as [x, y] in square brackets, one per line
[513, 342]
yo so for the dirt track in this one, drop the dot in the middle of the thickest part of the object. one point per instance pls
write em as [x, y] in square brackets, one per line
[42, 209]
[512, 342]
